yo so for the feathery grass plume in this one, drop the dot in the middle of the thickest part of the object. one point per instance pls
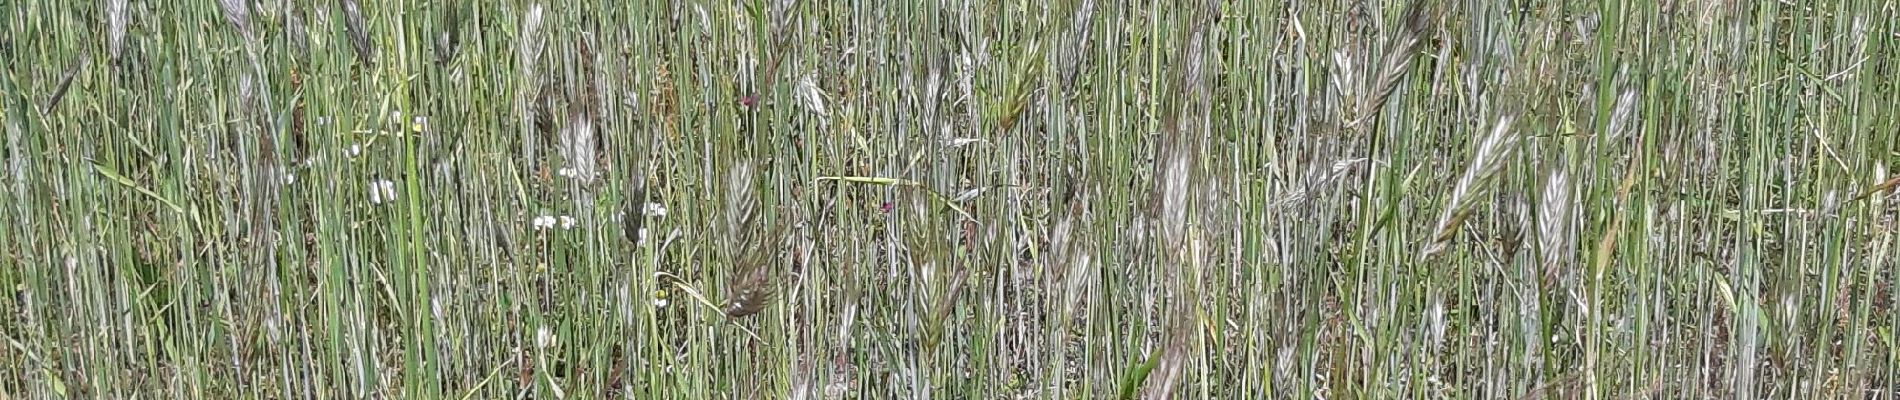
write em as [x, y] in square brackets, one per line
[66, 81]
[1179, 153]
[1401, 49]
[116, 21]
[1621, 116]
[1318, 181]
[238, 13]
[528, 43]
[1069, 268]
[1477, 180]
[741, 201]
[1072, 204]
[1077, 53]
[1170, 198]
[529, 97]
[813, 99]
[1557, 217]
[358, 29]
[926, 242]
[1555, 239]
[579, 138]
[294, 30]
[781, 40]
[1529, 307]
[449, 41]
[1509, 237]
[1178, 158]
[940, 311]
[751, 286]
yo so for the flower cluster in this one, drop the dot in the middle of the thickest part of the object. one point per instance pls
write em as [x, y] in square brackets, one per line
[382, 191]
[549, 222]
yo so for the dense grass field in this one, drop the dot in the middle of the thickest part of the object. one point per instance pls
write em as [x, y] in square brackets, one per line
[1072, 199]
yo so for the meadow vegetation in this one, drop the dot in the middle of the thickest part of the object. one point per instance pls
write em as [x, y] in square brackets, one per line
[1070, 199]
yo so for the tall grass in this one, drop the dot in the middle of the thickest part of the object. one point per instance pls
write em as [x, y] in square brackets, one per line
[1062, 200]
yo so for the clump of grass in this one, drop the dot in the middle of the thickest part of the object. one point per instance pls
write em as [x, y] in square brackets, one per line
[1401, 48]
[357, 27]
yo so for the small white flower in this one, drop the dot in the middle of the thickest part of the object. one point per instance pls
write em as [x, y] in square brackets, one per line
[389, 190]
[655, 210]
[382, 191]
[356, 150]
[543, 222]
[567, 222]
[566, 172]
[544, 338]
[659, 302]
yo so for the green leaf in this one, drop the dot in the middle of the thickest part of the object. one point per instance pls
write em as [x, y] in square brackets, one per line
[127, 182]
[1135, 376]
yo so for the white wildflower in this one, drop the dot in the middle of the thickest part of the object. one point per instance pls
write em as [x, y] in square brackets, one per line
[389, 190]
[544, 338]
[381, 191]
